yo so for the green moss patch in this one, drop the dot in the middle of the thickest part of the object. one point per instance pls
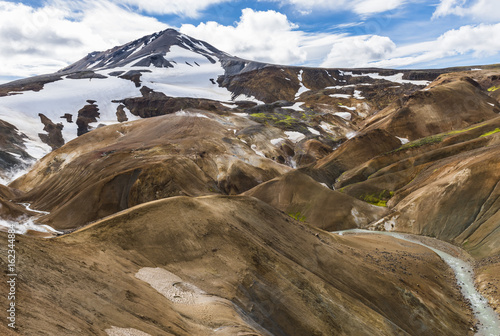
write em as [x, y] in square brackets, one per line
[493, 88]
[421, 142]
[434, 138]
[283, 120]
[496, 130]
[378, 199]
[297, 216]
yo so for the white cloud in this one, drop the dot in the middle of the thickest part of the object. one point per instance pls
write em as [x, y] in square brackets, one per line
[368, 7]
[362, 7]
[359, 51]
[48, 38]
[480, 41]
[190, 8]
[264, 36]
[479, 9]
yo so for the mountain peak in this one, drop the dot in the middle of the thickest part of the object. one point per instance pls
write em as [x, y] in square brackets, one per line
[144, 51]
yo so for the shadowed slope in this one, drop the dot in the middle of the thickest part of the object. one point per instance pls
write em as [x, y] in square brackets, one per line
[305, 199]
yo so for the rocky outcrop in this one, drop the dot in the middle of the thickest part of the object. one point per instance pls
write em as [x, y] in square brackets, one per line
[54, 137]
[86, 74]
[13, 153]
[88, 114]
[156, 60]
[134, 76]
[268, 84]
[121, 116]
[153, 104]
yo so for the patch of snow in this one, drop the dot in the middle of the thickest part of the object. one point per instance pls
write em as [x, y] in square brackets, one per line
[357, 94]
[24, 224]
[330, 75]
[295, 136]
[228, 105]
[27, 206]
[13, 174]
[295, 107]
[129, 115]
[247, 98]
[345, 73]
[190, 114]
[327, 127]
[404, 141]
[240, 114]
[340, 95]
[18, 156]
[351, 135]
[339, 87]
[344, 115]
[90, 66]
[325, 185]
[277, 141]
[313, 131]
[302, 88]
[258, 152]
[477, 69]
[348, 108]
[492, 104]
[58, 98]
[397, 78]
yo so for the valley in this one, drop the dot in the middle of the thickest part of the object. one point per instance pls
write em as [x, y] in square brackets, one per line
[165, 187]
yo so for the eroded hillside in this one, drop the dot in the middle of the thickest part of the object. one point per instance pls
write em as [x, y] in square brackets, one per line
[190, 192]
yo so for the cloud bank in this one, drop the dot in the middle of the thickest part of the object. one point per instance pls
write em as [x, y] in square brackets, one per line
[48, 38]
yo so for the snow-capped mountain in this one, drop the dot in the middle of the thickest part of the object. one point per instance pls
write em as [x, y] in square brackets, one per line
[167, 62]
[149, 50]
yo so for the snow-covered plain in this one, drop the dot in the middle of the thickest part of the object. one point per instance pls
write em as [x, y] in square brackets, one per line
[397, 78]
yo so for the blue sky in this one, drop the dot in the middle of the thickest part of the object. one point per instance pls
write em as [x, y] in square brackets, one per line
[42, 36]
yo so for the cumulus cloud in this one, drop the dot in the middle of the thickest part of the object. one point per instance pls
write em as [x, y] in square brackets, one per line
[45, 39]
[362, 7]
[48, 38]
[479, 9]
[189, 8]
[479, 41]
[359, 51]
[266, 36]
